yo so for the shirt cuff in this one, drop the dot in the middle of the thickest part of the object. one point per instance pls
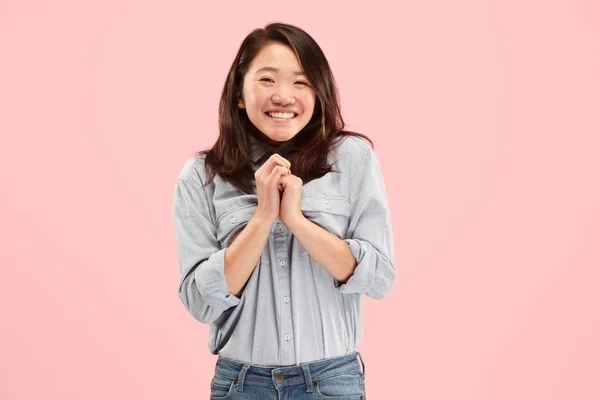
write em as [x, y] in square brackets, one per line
[363, 276]
[211, 283]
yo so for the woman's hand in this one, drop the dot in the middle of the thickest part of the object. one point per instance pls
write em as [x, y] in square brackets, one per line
[290, 212]
[268, 178]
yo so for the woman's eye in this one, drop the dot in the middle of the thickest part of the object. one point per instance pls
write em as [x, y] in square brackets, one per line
[272, 81]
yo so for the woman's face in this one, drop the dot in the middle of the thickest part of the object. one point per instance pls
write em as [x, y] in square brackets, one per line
[275, 83]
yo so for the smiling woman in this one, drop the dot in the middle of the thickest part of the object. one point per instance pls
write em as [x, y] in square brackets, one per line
[276, 87]
[281, 227]
[276, 94]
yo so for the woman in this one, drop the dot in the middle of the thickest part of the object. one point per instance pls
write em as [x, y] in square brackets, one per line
[281, 227]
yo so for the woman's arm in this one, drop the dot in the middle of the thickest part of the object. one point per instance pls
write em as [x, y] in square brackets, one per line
[370, 235]
[212, 276]
[364, 261]
[327, 249]
[202, 285]
[243, 254]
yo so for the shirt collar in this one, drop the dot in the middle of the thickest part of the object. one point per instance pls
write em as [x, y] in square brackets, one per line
[260, 149]
[257, 148]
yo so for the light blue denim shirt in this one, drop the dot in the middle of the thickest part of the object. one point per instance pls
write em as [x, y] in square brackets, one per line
[292, 310]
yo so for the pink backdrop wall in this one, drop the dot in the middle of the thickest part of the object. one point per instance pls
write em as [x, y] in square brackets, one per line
[485, 117]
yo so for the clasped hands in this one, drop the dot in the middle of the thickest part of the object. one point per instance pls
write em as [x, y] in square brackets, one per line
[279, 191]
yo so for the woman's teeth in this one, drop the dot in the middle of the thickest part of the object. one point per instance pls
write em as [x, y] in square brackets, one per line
[280, 115]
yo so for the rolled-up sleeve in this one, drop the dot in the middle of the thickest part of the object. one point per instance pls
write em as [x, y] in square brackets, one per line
[369, 235]
[202, 286]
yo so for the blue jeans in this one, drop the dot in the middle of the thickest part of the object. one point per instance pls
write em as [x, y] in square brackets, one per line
[339, 378]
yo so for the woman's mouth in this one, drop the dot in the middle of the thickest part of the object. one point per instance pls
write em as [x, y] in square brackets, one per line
[281, 115]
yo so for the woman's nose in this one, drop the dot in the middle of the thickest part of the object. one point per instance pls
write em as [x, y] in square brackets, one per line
[283, 97]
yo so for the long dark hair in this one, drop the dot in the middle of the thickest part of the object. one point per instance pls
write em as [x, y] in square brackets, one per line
[307, 151]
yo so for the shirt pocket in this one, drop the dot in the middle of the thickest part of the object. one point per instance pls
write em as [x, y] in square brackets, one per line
[330, 213]
[231, 223]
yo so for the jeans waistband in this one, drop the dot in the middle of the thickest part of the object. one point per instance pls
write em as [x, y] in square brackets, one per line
[304, 373]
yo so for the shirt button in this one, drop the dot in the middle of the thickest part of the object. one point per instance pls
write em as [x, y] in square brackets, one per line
[286, 299]
[282, 263]
[233, 220]
[287, 337]
[327, 206]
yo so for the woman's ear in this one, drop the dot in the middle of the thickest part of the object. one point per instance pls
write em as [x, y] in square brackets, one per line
[241, 103]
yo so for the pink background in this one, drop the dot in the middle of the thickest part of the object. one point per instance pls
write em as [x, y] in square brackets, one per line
[485, 117]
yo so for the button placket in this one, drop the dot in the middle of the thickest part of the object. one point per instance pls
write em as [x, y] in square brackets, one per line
[283, 290]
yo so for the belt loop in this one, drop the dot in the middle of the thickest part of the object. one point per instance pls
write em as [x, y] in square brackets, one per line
[307, 378]
[241, 377]
[363, 365]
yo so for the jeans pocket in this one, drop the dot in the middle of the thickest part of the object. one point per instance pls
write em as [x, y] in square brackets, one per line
[222, 387]
[348, 386]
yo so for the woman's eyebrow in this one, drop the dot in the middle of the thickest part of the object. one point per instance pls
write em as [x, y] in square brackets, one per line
[273, 69]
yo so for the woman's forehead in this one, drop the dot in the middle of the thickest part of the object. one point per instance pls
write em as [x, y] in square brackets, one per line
[276, 58]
